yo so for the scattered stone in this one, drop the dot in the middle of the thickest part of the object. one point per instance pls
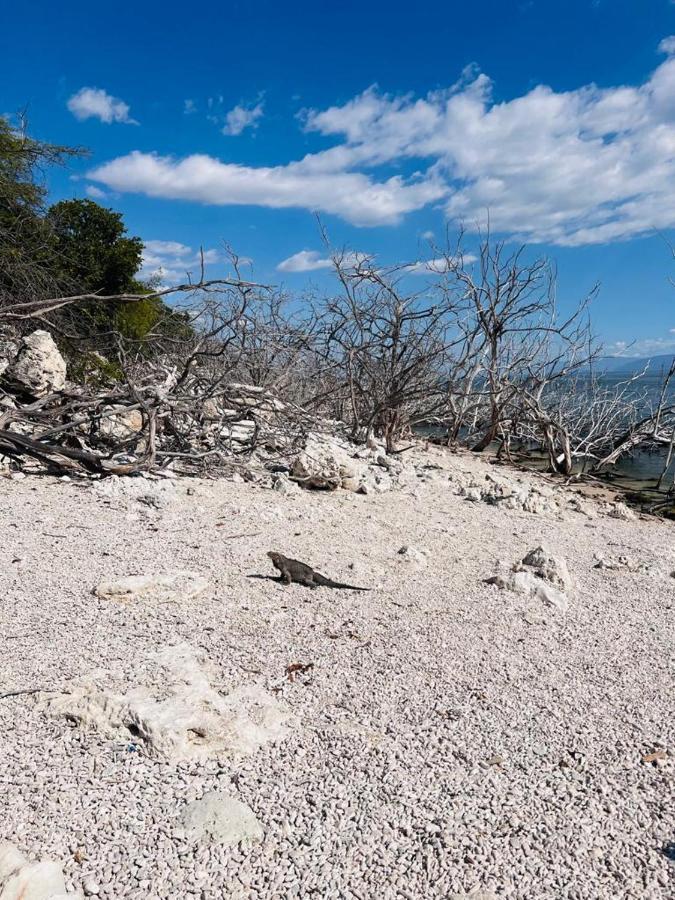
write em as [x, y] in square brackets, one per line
[507, 493]
[172, 708]
[618, 563]
[475, 894]
[619, 510]
[221, 819]
[577, 504]
[122, 426]
[414, 556]
[39, 366]
[174, 587]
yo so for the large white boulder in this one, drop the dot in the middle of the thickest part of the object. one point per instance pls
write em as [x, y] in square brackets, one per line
[39, 365]
[327, 463]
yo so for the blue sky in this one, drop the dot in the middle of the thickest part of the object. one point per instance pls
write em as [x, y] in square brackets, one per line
[238, 121]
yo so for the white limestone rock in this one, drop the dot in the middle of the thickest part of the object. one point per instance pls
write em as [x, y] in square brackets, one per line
[220, 819]
[23, 880]
[169, 705]
[39, 365]
[326, 463]
[541, 575]
[168, 588]
[123, 425]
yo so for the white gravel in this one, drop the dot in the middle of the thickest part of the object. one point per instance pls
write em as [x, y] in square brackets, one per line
[446, 744]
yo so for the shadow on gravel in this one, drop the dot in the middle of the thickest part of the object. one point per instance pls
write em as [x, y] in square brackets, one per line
[669, 851]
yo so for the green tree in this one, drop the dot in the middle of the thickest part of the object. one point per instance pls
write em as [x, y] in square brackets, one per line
[93, 252]
[26, 269]
[74, 247]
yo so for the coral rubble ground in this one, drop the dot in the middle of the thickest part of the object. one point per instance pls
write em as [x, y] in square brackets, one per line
[213, 734]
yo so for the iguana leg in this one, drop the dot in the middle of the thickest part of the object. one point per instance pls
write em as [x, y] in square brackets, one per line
[286, 577]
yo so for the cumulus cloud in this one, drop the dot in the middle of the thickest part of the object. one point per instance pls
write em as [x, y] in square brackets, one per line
[352, 195]
[305, 261]
[438, 266]
[584, 166]
[312, 261]
[171, 261]
[94, 103]
[95, 192]
[242, 117]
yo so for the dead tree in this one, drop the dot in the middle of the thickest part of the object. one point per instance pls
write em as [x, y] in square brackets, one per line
[387, 348]
[520, 345]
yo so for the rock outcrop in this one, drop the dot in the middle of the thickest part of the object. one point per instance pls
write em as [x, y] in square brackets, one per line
[329, 463]
[168, 705]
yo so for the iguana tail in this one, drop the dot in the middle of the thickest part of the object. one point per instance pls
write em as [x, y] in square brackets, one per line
[327, 582]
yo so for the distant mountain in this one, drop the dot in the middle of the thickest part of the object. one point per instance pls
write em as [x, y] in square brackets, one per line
[623, 365]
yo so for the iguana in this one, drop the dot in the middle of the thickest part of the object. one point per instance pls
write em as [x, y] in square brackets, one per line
[294, 571]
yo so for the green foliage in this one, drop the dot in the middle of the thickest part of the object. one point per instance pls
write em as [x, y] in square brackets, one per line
[93, 253]
[26, 252]
[74, 247]
[92, 368]
[135, 320]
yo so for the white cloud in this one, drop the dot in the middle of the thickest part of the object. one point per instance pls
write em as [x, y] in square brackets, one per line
[428, 235]
[95, 193]
[352, 195]
[438, 266]
[312, 261]
[305, 261]
[95, 103]
[241, 117]
[189, 107]
[585, 166]
[644, 347]
[171, 261]
[667, 45]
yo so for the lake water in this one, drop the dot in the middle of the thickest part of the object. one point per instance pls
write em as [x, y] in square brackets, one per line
[639, 470]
